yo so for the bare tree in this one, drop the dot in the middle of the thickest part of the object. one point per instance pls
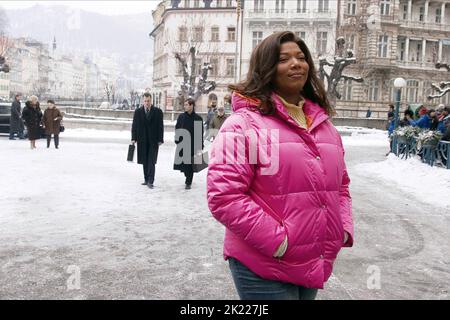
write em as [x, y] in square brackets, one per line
[133, 96]
[110, 92]
[337, 68]
[39, 90]
[443, 87]
[189, 87]
[4, 21]
[5, 42]
[198, 58]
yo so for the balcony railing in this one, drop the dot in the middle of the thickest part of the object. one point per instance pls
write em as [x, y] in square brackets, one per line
[388, 17]
[379, 62]
[291, 14]
[424, 25]
[416, 64]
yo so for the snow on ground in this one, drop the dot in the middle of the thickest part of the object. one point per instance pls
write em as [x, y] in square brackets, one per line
[83, 205]
[107, 134]
[63, 197]
[429, 184]
[354, 136]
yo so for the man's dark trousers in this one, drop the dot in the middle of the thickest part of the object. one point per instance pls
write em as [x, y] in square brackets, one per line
[189, 174]
[149, 168]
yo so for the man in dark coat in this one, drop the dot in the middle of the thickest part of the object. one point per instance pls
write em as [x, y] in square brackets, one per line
[148, 132]
[216, 122]
[15, 122]
[189, 121]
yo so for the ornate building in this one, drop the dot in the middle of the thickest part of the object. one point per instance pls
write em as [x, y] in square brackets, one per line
[313, 20]
[209, 27]
[391, 39]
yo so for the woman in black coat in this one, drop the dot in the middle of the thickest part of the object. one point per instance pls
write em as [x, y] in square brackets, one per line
[193, 124]
[32, 116]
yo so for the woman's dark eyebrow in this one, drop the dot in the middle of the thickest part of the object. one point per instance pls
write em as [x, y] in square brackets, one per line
[297, 54]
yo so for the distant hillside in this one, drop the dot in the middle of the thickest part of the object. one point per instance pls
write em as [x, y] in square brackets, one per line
[82, 30]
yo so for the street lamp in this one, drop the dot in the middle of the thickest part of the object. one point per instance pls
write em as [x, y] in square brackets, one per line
[399, 84]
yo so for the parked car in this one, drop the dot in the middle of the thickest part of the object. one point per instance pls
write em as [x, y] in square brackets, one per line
[5, 114]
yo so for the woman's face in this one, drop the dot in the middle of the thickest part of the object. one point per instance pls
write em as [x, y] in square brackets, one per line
[292, 69]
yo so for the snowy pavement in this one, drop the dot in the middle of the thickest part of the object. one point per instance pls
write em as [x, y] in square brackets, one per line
[82, 208]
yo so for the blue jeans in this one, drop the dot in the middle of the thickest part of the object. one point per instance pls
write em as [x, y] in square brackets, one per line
[250, 286]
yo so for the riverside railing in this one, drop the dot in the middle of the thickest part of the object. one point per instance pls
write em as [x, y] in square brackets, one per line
[430, 154]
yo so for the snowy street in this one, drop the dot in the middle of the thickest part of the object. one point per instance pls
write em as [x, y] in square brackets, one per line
[82, 208]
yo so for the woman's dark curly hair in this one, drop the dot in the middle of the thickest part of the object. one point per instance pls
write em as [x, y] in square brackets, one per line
[263, 68]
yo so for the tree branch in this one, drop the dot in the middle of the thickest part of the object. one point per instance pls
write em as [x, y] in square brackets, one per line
[356, 79]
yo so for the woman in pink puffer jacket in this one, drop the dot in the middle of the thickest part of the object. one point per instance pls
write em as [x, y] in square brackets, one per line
[277, 178]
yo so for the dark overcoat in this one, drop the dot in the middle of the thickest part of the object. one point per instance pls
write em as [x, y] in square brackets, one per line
[148, 132]
[15, 121]
[32, 117]
[187, 121]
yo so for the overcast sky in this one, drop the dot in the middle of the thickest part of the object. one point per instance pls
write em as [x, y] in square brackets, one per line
[105, 7]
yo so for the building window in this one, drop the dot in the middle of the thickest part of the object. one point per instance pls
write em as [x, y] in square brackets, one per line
[427, 90]
[419, 52]
[374, 90]
[446, 99]
[383, 46]
[198, 66]
[412, 90]
[187, 3]
[279, 6]
[324, 5]
[258, 5]
[219, 3]
[438, 15]
[182, 34]
[300, 34]
[214, 62]
[198, 34]
[231, 34]
[347, 90]
[321, 45]
[230, 67]
[405, 12]
[401, 56]
[215, 34]
[301, 6]
[196, 3]
[229, 3]
[385, 7]
[351, 7]
[350, 41]
[421, 13]
[257, 38]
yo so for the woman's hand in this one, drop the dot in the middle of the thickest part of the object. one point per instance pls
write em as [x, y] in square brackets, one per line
[345, 237]
[281, 249]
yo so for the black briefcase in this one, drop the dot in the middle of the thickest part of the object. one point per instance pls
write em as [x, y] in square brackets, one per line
[200, 162]
[131, 149]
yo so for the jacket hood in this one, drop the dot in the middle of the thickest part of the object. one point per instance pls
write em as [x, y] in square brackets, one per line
[312, 110]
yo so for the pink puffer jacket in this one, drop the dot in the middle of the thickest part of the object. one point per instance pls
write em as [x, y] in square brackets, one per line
[306, 197]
